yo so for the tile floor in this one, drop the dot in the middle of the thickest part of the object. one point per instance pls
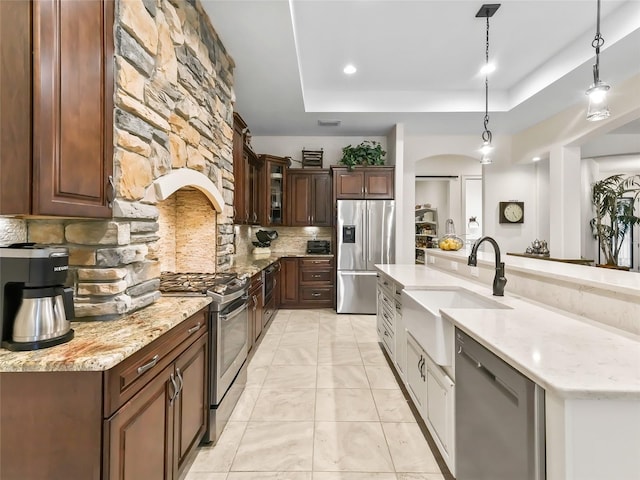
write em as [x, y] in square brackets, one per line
[321, 403]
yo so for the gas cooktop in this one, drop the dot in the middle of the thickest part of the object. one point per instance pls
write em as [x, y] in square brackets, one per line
[216, 285]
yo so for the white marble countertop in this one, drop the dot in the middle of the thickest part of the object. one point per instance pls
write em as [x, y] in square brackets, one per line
[604, 278]
[101, 345]
[562, 352]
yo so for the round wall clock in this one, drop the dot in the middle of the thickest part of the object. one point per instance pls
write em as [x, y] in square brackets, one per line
[511, 212]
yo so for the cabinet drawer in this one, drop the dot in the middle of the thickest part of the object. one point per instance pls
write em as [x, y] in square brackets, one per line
[269, 311]
[316, 262]
[124, 380]
[256, 282]
[314, 294]
[315, 276]
[387, 340]
[387, 318]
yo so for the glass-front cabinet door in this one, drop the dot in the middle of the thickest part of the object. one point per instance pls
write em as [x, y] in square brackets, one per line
[275, 178]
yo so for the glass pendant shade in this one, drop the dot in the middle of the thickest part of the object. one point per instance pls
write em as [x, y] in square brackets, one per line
[485, 160]
[486, 148]
[598, 106]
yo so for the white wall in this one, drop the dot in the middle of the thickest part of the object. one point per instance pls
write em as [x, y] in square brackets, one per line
[395, 153]
[293, 146]
[472, 194]
[542, 199]
[590, 173]
[511, 182]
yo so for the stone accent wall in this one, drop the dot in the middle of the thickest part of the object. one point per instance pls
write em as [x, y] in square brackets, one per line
[173, 110]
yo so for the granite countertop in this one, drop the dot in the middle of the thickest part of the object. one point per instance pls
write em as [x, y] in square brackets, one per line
[564, 353]
[100, 345]
[252, 264]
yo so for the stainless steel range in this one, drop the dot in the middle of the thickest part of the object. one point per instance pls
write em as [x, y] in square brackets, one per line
[228, 337]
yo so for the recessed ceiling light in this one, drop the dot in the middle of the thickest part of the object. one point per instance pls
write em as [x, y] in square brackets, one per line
[488, 68]
[350, 69]
[329, 123]
[536, 159]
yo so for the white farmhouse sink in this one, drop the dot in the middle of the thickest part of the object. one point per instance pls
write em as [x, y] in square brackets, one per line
[422, 318]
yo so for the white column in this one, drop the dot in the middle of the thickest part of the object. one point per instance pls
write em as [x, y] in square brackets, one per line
[564, 202]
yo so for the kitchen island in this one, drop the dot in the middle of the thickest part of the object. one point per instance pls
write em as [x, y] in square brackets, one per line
[590, 371]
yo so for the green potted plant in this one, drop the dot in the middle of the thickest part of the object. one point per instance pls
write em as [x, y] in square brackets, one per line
[613, 199]
[368, 152]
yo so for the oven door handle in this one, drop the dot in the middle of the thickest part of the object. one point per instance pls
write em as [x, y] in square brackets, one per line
[235, 313]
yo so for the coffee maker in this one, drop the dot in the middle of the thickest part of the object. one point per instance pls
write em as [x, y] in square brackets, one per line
[36, 307]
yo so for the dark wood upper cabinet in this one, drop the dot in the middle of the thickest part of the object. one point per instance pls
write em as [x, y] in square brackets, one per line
[239, 192]
[309, 197]
[247, 167]
[363, 182]
[15, 110]
[273, 190]
[63, 104]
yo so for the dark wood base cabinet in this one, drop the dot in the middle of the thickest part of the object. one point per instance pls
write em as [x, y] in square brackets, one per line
[255, 308]
[307, 282]
[140, 420]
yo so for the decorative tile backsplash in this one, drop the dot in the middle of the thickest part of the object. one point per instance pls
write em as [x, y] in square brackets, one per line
[291, 240]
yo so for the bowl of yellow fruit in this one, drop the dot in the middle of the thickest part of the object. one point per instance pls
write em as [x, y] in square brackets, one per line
[450, 242]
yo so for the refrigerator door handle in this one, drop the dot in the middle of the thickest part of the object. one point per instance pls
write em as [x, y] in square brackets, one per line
[369, 223]
[363, 231]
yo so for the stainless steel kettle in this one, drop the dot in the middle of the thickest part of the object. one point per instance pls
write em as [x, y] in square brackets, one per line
[44, 314]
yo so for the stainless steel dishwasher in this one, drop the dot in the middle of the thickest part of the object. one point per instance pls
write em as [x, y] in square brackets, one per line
[499, 418]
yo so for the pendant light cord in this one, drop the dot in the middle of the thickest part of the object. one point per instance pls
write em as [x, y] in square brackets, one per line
[486, 135]
[597, 42]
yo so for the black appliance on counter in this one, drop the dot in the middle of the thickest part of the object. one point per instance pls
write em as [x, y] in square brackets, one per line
[36, 307]
[318, 246]
[228, 338]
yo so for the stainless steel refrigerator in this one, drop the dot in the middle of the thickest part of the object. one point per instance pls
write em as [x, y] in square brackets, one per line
[366, 236]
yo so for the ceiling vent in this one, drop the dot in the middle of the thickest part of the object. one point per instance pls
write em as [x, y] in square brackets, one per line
[329, 123]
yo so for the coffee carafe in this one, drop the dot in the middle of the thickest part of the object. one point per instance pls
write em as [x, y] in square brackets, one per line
[36, 307]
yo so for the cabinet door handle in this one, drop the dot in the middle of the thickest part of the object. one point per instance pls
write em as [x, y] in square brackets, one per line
[194, 329]
[150, 364]
[175, 389]
[275, 282]
[316, 276]
[255, 302]
[315, 294]
[111, 192]
[386, 334]
[180, 380]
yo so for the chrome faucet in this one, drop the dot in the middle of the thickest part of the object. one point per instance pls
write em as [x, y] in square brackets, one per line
[499, 281]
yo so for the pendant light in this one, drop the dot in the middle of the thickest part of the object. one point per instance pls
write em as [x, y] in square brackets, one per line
[486, 11]
[597, 92]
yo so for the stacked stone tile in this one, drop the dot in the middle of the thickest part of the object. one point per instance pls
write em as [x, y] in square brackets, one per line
[173, 109]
